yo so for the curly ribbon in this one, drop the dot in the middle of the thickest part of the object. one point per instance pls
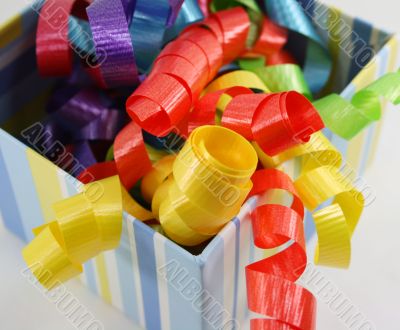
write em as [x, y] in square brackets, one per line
[53, 52]
[275, 121]
[106, 42]
[272, 38]
[107, 169]
[154, 178]
[189, 14]
[211, 179]
[175, 6]
[347, 119]
[130, 155]
[131, 160]
[183, 69]
[335, 223]
[317, 63]
[320, 181]
[271, 290]
[151, 26]
[205, 110]
[86, 224]
[113, 43]
[278, 78]
[84, 116]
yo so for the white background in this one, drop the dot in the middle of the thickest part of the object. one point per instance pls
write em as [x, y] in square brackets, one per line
[372, 283]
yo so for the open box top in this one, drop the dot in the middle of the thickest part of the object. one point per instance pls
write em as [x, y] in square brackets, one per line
[129, 277]
[23, 93]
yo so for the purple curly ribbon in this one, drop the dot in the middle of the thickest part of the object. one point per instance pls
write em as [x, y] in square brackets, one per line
[82, 116]
[114, 50]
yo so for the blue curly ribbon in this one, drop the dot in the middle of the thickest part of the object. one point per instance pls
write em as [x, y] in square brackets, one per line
[317, 62]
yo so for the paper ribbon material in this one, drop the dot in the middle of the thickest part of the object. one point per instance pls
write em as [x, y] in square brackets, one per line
[189, 14]
[320, 180]
[211, 179]
[107, 169]
[113, 43]
[237, 78]
[271, 287]
[183, 69]
[53, 52]
[157, 22]
[130, 159]
[154, 178]
[335, 223]
[85, 225]
[130, 155]
[278, 78]
[236, 82]
[275, 121]
[84, 116]
[317, 63]
[205, 110]
[347, 119]
[106, 42]
[272, 38]
[270, 43]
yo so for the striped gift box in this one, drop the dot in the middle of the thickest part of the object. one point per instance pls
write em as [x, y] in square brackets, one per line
[158, 284]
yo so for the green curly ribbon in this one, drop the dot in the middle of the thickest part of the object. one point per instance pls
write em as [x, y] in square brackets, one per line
[348, 118]
[278, 78]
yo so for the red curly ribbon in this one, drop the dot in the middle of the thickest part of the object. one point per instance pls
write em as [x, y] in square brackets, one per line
[275, 121]
[131, 159]
[234, 25]
[271, 290]
[54, 54]
[205, 109]
[98, 171]
[272, 38]
[184, 68]
[204, 4]
[281, 57]
[130, 155]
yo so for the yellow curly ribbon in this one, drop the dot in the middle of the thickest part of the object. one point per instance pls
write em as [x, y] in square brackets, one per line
[236, 78]
[152, 180]
[319, 181]
[316, 152]
[86, 224]
[211, 179]
[131, 206]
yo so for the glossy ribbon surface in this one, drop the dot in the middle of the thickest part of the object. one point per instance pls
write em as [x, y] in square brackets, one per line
[348, 118]
[211, 180]
[271, 290]
[85, 225]
[320, 181]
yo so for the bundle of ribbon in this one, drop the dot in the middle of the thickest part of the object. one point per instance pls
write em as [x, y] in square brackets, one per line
[260, 116]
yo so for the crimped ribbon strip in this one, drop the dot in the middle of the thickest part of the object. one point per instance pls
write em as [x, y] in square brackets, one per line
[131, 160]
[347, 119]
[271, 290]
[317, 62]
[211, 180]
[113, 43]
[320, 181]
[183, 69]
[53, 51]
[275, 121]
[85, 225]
